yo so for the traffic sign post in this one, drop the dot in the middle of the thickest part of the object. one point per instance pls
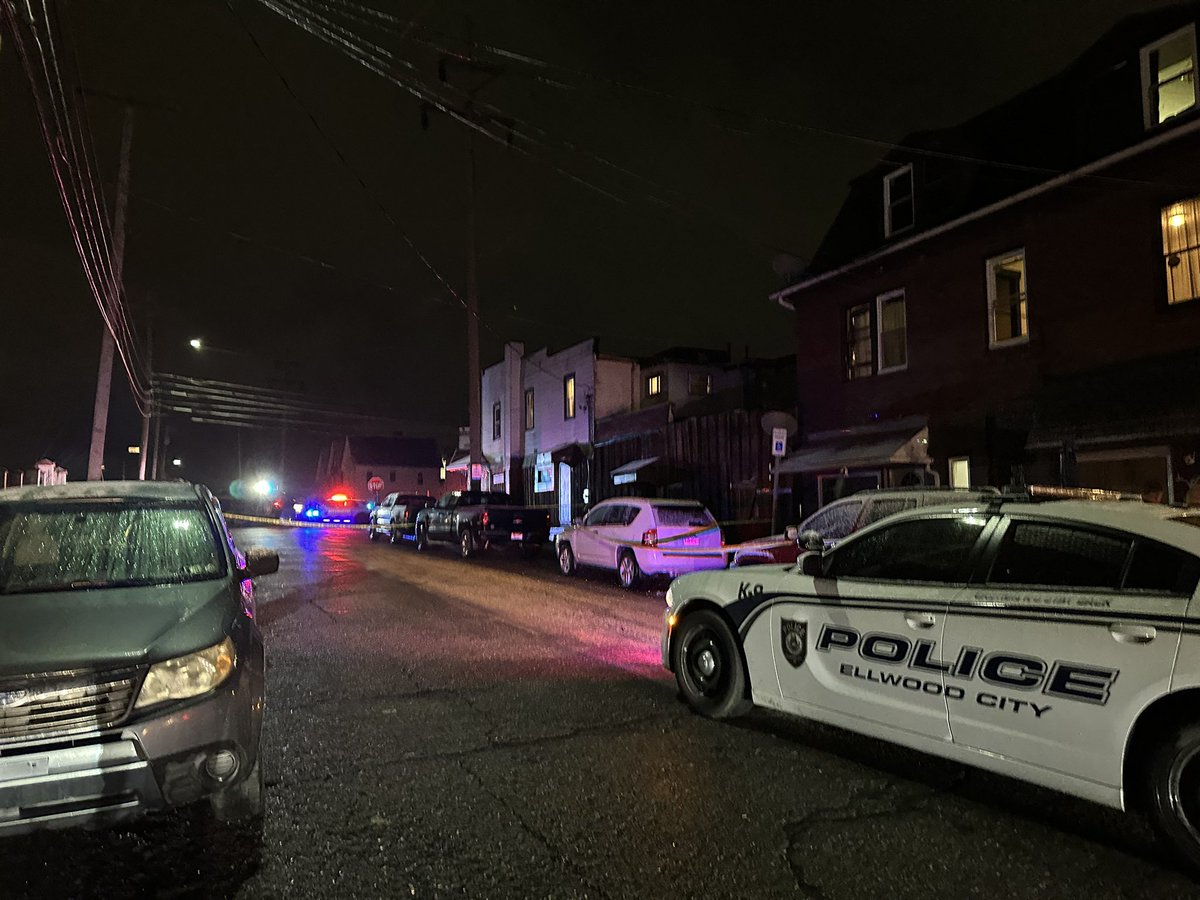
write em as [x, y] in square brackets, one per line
[375, 485]
[779, 438]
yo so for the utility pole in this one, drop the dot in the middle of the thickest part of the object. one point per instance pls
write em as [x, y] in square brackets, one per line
[104, 374]
[150, 412]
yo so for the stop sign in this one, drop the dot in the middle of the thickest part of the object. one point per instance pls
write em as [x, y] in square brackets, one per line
[375, 484]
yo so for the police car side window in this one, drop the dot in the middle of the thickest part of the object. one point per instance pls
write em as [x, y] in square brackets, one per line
[1048, 555]
[1161, 569]
[935, 549]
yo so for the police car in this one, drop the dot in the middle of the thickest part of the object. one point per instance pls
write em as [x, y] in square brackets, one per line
[1054, 642]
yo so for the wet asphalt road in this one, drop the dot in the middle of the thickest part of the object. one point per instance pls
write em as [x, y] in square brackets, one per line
[440, 728]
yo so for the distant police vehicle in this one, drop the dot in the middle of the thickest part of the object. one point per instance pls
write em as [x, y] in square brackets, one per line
[1056, 642]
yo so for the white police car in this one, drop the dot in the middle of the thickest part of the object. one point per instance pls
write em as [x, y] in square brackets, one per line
[1054, 642]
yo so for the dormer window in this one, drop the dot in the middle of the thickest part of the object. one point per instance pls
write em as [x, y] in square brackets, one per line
[1169, 77]
[898, 210]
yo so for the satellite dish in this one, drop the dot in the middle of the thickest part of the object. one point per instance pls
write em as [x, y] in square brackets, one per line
[779, 419]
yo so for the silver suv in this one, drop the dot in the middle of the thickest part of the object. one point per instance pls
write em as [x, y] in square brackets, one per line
[841, 518]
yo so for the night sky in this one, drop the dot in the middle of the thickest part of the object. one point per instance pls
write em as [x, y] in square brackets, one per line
[673, 109]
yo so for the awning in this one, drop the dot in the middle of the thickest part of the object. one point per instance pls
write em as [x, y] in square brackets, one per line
[861, 451]
[461, 464]
[627, 473]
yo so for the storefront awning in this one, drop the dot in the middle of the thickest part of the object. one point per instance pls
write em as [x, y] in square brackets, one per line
[860, 451]
[461, 464]
[627, 473]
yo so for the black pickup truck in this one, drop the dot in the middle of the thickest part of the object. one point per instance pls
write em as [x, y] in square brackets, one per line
[476, 520]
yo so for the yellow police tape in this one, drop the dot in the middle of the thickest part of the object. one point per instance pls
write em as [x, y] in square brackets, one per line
[293, 523]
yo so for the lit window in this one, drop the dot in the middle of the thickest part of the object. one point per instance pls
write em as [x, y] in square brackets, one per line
[860, 361]
[1181, 249]
[898, 210]
[1169, 76]
[495, 421]
[1008, 304]
[960, 472]
[569, 396]
[529, 409]
[654, 385]
[892, 338]
[699, 385]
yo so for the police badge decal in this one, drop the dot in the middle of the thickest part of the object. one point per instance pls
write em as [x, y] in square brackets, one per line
[794, 636]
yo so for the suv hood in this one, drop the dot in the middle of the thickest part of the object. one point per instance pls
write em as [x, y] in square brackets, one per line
[112, 627]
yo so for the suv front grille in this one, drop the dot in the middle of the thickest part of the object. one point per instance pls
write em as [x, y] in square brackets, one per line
[65, 703]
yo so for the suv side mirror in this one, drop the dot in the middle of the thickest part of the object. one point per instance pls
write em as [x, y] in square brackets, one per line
[812, 564]
[260, 561]
[811, 541]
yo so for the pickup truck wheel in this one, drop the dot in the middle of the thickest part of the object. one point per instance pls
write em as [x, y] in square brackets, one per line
[466, 543]
[1175, 791]
[566, 559]
[422, 538]
[628, 571]
[708, 666]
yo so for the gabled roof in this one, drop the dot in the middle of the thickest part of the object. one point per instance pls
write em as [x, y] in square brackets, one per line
[413, 452]
[1089, 111]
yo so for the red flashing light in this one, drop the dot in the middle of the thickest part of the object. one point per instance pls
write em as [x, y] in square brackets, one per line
[650, 537]
[338, 498]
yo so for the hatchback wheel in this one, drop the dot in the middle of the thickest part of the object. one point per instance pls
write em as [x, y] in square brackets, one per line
[566, 559]
[708, 666]
[628, 572]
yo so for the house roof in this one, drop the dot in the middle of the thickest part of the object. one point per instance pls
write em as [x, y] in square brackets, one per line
[413, 452]
[1089, 111]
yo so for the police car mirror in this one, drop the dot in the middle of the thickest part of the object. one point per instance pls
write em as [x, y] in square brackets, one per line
[811, 564]
[811, 541]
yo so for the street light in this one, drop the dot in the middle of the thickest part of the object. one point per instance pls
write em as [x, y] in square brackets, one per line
[195, 343]
[177, 461]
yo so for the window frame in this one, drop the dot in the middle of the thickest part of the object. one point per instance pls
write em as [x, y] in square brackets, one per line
[988, 270]
[530, 410]
[847, 367]
[706, 382]
[569, 408]
[497, 419]
[888, 180]
[1150, 111]
[1164, 223]
[950, 470]
[877, 325]
[656, 377]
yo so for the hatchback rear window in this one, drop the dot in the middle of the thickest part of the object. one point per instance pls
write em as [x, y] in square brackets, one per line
[683, 516]
[100, 545]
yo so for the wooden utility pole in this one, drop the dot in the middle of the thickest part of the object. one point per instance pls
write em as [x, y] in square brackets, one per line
[107, 346]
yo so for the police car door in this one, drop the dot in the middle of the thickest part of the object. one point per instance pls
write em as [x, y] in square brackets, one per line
[1070, 631]
[864, 640]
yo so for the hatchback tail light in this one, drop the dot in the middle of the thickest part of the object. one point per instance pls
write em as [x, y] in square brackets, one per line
[650, 538]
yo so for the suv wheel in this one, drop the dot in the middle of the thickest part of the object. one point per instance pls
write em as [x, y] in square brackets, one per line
[628, 572]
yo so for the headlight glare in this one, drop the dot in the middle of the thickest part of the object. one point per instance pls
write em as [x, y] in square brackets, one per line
[670, 597]
[188, 675]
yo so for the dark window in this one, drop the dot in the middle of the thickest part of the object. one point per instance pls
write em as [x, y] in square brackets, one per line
[392, 476]
[1046, 555]
[569, 396]
[882, 508]
[420, 478]
[898, 211]
[496, 421]
[597, 516]
[1163, 570]
[529, 409]
[628, 514]
[935, 549]
[700, 384]
[834, 522]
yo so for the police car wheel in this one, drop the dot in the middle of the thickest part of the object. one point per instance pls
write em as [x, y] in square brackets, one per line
[1175, 791]
[708, 666]
[566, 559]
[628, 572]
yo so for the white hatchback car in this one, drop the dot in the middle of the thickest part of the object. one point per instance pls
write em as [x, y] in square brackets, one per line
[1054, 642]
[639, 536]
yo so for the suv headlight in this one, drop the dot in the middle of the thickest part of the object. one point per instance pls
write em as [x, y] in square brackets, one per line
[187, 676]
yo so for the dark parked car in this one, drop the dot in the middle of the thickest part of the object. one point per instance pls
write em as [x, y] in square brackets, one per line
[396, 516]
[131, 664]
[476, 520]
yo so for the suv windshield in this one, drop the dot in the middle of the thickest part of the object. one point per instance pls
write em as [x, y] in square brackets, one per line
[98, 545]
